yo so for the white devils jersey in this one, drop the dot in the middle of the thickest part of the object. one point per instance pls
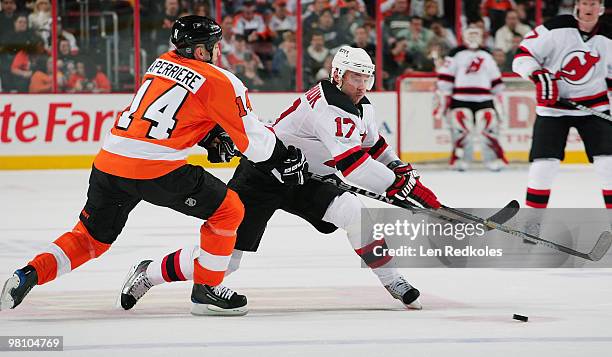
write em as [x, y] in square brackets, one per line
[581, 62]
[470, 75]
[335, 134]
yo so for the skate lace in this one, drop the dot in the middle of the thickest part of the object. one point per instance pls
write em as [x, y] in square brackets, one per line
[223, 291]
[141, 285]
[399, 287]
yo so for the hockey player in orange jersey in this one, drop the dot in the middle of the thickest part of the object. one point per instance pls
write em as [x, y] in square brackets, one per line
[183, 100]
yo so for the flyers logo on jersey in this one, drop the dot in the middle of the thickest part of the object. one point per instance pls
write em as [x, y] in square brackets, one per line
[578, 67]
[475, 65]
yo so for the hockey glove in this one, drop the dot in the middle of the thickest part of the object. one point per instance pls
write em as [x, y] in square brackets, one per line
[293, 167]
[408, 185]
[219, 145]
[547, 91]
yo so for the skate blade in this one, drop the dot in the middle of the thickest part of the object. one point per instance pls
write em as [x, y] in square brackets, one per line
[212, 310]
[415, 305]
[6, 300]
[125, 281]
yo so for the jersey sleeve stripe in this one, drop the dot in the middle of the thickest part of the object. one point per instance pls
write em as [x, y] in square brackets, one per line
[351, 162]
[522, 52]
[347, 153]
[378, 148]
[446, 77]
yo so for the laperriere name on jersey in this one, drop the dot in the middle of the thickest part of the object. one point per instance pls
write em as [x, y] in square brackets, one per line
[180, 74]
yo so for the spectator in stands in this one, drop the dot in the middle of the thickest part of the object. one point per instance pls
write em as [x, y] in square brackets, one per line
[163, 28]
[63, 34]
[201, 9]
[21, 67]
[444, 37]
[516, 42]
[314, 57]
[325, 71]
[283, 63]
[350, 18]
[7, 17]
[431, 13]
[42, 78]
[503, 36]
[500, 59]
[241, 51]
[281, 20]
[327, 26]
[398, 21]
[496, 11]
[419, 8]
[362, 40]
[416, 35]
[66, 59]
[396, 62]
[101, 82]
[227, 42]
[250, 24]
[40, 21]
[248, 73]
[311, 18]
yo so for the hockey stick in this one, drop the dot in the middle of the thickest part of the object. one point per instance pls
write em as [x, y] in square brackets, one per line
[571, 103]
[494, 222]
[446, 213]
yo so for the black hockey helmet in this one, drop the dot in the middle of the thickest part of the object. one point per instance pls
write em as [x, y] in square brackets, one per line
[192, 30]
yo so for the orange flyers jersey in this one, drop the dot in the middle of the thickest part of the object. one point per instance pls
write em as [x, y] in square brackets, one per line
[179, 102]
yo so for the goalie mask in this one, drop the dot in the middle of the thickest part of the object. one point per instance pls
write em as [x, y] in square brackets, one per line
[602, 10]
[355, 60]
[472, 37]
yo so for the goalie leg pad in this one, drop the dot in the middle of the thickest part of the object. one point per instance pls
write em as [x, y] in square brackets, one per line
[461, 122]
[487, 125]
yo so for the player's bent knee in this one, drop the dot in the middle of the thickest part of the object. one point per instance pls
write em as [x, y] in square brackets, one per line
[344, 211]
[230, 213]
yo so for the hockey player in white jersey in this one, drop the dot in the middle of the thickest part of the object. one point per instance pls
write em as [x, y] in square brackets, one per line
[569, 56]
[471, 78]
[334, 125]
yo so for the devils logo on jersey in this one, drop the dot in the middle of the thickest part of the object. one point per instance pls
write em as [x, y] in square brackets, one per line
[475, 65]
[578, 67]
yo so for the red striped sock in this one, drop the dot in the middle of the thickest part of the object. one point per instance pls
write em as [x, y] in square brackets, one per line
[171, 267]
[607, 194]
[537, 198]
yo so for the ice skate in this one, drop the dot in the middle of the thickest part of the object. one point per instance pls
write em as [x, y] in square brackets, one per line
[494, 165]
[406, 293]
[217, 300]
[17, 287]
[134, 287]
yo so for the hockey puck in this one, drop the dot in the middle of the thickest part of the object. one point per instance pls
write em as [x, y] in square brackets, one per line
[520, 317]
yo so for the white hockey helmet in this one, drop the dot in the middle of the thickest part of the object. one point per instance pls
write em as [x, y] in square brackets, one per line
[353, 59]
[602, 9]
[472, 37]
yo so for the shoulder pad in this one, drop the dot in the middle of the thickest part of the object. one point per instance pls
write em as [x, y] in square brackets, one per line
[562, 21]
[336, 98]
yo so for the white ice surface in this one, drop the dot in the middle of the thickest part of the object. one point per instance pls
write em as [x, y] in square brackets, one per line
[307, 294]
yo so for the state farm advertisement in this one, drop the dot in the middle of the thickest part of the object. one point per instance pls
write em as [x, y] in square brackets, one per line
[62, 124]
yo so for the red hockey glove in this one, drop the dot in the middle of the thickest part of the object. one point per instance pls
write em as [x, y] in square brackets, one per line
[408, 185]
[547, 91]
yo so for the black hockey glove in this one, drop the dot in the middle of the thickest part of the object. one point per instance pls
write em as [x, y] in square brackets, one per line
[293, 167]
[219, 145]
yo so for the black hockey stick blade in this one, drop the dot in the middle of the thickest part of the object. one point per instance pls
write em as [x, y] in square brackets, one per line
[601, 247]
[505, 214]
